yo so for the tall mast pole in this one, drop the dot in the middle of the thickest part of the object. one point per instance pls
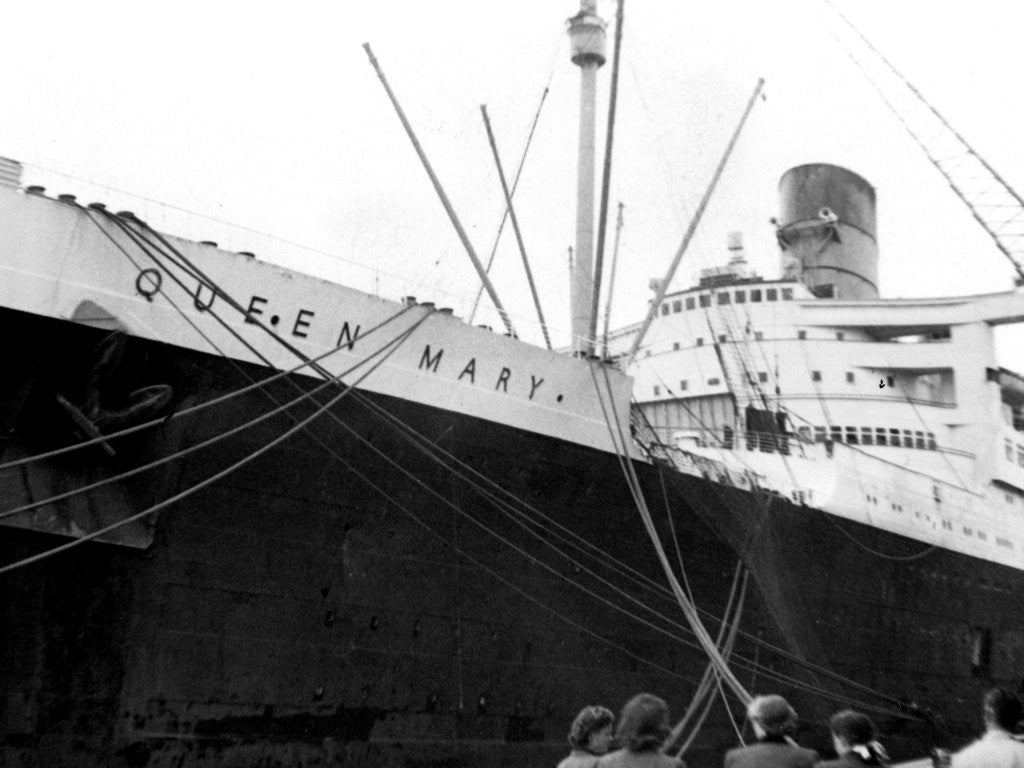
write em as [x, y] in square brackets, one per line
[587, 46]
[611, 281]
[459, 230]
[663, 286]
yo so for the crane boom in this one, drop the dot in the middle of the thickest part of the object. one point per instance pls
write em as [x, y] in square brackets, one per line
[989, 197]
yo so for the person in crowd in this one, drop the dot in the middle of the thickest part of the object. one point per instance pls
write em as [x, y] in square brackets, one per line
[589, 737]
[853, 736]
[642, 730]
[1001, 711]
[774, 722]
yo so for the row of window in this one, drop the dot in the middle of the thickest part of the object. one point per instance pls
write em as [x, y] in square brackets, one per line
[1010, 451]
[896, 438]
[724, 339]
[762, 378]
[753, 295]
[948, 524]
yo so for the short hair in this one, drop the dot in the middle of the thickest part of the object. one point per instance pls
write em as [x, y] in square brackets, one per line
[590, 720]
[643, 723]
[853, 727]
[773, 713]
[1003, 708]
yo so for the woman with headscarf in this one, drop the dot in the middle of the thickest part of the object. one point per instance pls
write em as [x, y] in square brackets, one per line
[853, 736]
[589, 737]
[642, 731]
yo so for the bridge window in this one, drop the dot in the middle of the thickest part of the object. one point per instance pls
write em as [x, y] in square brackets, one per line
[762, 377]
[919, 440]
[705, 300]
[880, 436]
[867, 436]
[771, 295]
[837, 434]
[723, 298]
[851, 435]
[755, 295]
[787, 294]
[908, 438]
[801, 334]
[684, 385]
[714, 381]
[677, 305]
[690, 302]
[815, 375]
[840, 335]
[819, 434]
[664, 309]
[849, 377]
[741, 297]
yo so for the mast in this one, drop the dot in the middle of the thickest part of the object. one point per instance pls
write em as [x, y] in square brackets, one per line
[587, 45]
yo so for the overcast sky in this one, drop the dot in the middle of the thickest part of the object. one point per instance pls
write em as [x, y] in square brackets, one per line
[269, 116]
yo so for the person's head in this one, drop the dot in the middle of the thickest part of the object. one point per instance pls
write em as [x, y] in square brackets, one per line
[851, 729]
[771, 716]
[1002, 709]
[592, 730]
[643, 724]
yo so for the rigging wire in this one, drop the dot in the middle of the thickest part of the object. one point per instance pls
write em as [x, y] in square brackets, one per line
[394, 343]
[515, 185]
[194, 488]
[193, 408]
[780, 651]
[711, 672]
[606, 177]
[194, 270]
[793, 681]
[634, 485]
[510, 208]
[706, 643]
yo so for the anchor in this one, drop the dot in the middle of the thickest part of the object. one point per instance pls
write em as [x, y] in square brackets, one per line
[98, 417]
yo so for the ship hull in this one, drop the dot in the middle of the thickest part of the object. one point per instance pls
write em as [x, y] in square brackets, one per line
[401, 585]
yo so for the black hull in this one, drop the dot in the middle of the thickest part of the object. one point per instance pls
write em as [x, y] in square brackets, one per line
[326, 605]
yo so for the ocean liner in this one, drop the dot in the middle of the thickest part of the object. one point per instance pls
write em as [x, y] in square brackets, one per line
[251, 517]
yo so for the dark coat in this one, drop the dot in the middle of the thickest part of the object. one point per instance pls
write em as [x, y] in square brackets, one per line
[626, 759]
[849, 760]
[771, 753]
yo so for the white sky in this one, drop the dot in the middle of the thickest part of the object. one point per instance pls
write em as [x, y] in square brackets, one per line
[269, 116]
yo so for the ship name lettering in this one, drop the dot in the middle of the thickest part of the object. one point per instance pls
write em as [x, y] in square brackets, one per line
[430, 362]
[200, 304]
[534, 385]
[469, 370]
[254, 308]
[503, 380]
[302, 322]
[348, 335]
